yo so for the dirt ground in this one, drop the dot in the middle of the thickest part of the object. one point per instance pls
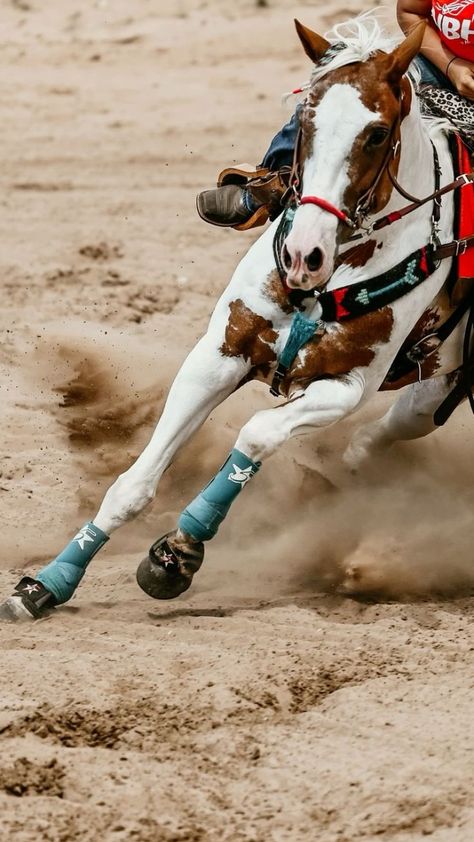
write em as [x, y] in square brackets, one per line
[263, 705]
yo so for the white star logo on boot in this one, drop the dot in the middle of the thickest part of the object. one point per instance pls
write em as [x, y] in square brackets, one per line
[168, 559]
[240, 475]
[82, 537]
[31, 588]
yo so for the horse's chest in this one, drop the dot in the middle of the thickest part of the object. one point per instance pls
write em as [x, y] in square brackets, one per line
[340, 349]
[335, 352]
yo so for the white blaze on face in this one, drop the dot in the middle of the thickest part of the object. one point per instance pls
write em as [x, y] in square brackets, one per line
[339, 118]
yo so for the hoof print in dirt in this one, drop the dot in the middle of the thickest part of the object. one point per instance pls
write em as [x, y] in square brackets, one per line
[169, 568]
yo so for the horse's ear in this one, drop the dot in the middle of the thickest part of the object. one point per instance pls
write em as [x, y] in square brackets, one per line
[314, 45]
[404, 54]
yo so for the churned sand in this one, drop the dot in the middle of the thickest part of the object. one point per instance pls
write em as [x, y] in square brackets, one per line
[264, 705]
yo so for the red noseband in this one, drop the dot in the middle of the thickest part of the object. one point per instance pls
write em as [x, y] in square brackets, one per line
[327, 206]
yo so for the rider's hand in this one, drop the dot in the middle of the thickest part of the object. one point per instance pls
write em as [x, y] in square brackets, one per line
[461, 75]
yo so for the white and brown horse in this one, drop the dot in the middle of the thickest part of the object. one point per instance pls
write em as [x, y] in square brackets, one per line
[361, 133]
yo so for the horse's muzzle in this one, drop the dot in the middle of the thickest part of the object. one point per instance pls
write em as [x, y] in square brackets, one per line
[306, 272]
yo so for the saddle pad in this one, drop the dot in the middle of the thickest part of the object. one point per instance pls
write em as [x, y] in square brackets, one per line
[464, 223]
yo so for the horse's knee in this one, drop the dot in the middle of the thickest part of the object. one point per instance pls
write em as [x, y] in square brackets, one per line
[125, 499]
[258, 438]
[134, 491]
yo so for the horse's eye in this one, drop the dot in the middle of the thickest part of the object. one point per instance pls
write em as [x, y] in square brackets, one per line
[377, 137]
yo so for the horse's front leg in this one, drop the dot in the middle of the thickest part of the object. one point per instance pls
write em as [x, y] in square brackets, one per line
[169, 569]
[205, 380]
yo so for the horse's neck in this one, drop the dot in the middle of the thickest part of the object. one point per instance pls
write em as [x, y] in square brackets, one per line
[417, 175]
[416, 169]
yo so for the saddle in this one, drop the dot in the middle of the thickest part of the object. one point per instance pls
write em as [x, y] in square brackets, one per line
[449, 105]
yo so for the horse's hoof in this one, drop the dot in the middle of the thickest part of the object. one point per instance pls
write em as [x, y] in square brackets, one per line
[169, 568]
[30, 601]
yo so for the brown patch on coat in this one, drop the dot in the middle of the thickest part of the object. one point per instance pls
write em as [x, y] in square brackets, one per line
[378, 94]
[359, 255]
[248, 335]
[428, 368]
[276, 292]
[257, 372]
[338, 352]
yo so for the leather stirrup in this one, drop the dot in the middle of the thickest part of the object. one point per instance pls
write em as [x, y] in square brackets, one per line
[266, 189]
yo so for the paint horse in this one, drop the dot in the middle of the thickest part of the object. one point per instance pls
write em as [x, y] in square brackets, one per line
[319, 308]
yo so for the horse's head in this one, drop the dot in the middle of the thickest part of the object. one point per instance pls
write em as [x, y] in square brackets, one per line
[350, 130]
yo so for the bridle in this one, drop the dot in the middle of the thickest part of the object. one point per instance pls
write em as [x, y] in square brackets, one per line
[437, 251]
[365, 201]
[356, 222]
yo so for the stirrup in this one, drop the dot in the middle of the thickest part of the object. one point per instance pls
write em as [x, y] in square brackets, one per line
[266, 188]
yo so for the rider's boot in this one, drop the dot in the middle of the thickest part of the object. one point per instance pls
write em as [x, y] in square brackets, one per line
[244, 199]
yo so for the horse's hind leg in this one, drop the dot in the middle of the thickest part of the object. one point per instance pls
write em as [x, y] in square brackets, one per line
[410, 417]
[205, 380]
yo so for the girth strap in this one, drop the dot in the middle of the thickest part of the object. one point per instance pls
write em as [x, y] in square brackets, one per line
[463, 388]
[408, 359]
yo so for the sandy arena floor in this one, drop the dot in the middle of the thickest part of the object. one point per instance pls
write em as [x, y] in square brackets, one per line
[263, 705]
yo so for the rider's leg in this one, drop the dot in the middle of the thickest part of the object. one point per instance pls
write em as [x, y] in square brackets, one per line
[205, 380]
[430, 74]
[280, 152]
[234, 204]
[411, 417]
[164, 575]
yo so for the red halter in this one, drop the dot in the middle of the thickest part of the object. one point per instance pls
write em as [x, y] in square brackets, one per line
[330, 208]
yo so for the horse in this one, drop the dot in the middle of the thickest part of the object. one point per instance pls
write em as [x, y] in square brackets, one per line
[320, 308]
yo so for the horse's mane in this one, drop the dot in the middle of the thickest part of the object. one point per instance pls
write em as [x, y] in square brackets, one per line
[356, 40]
[353, 40]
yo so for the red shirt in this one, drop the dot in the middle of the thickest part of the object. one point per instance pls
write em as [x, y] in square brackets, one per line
[455, 24]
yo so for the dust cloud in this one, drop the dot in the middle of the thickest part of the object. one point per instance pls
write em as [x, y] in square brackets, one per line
[401, 529]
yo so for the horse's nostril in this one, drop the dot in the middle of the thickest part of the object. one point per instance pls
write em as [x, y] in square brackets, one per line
[286, 258]
[314, 261]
